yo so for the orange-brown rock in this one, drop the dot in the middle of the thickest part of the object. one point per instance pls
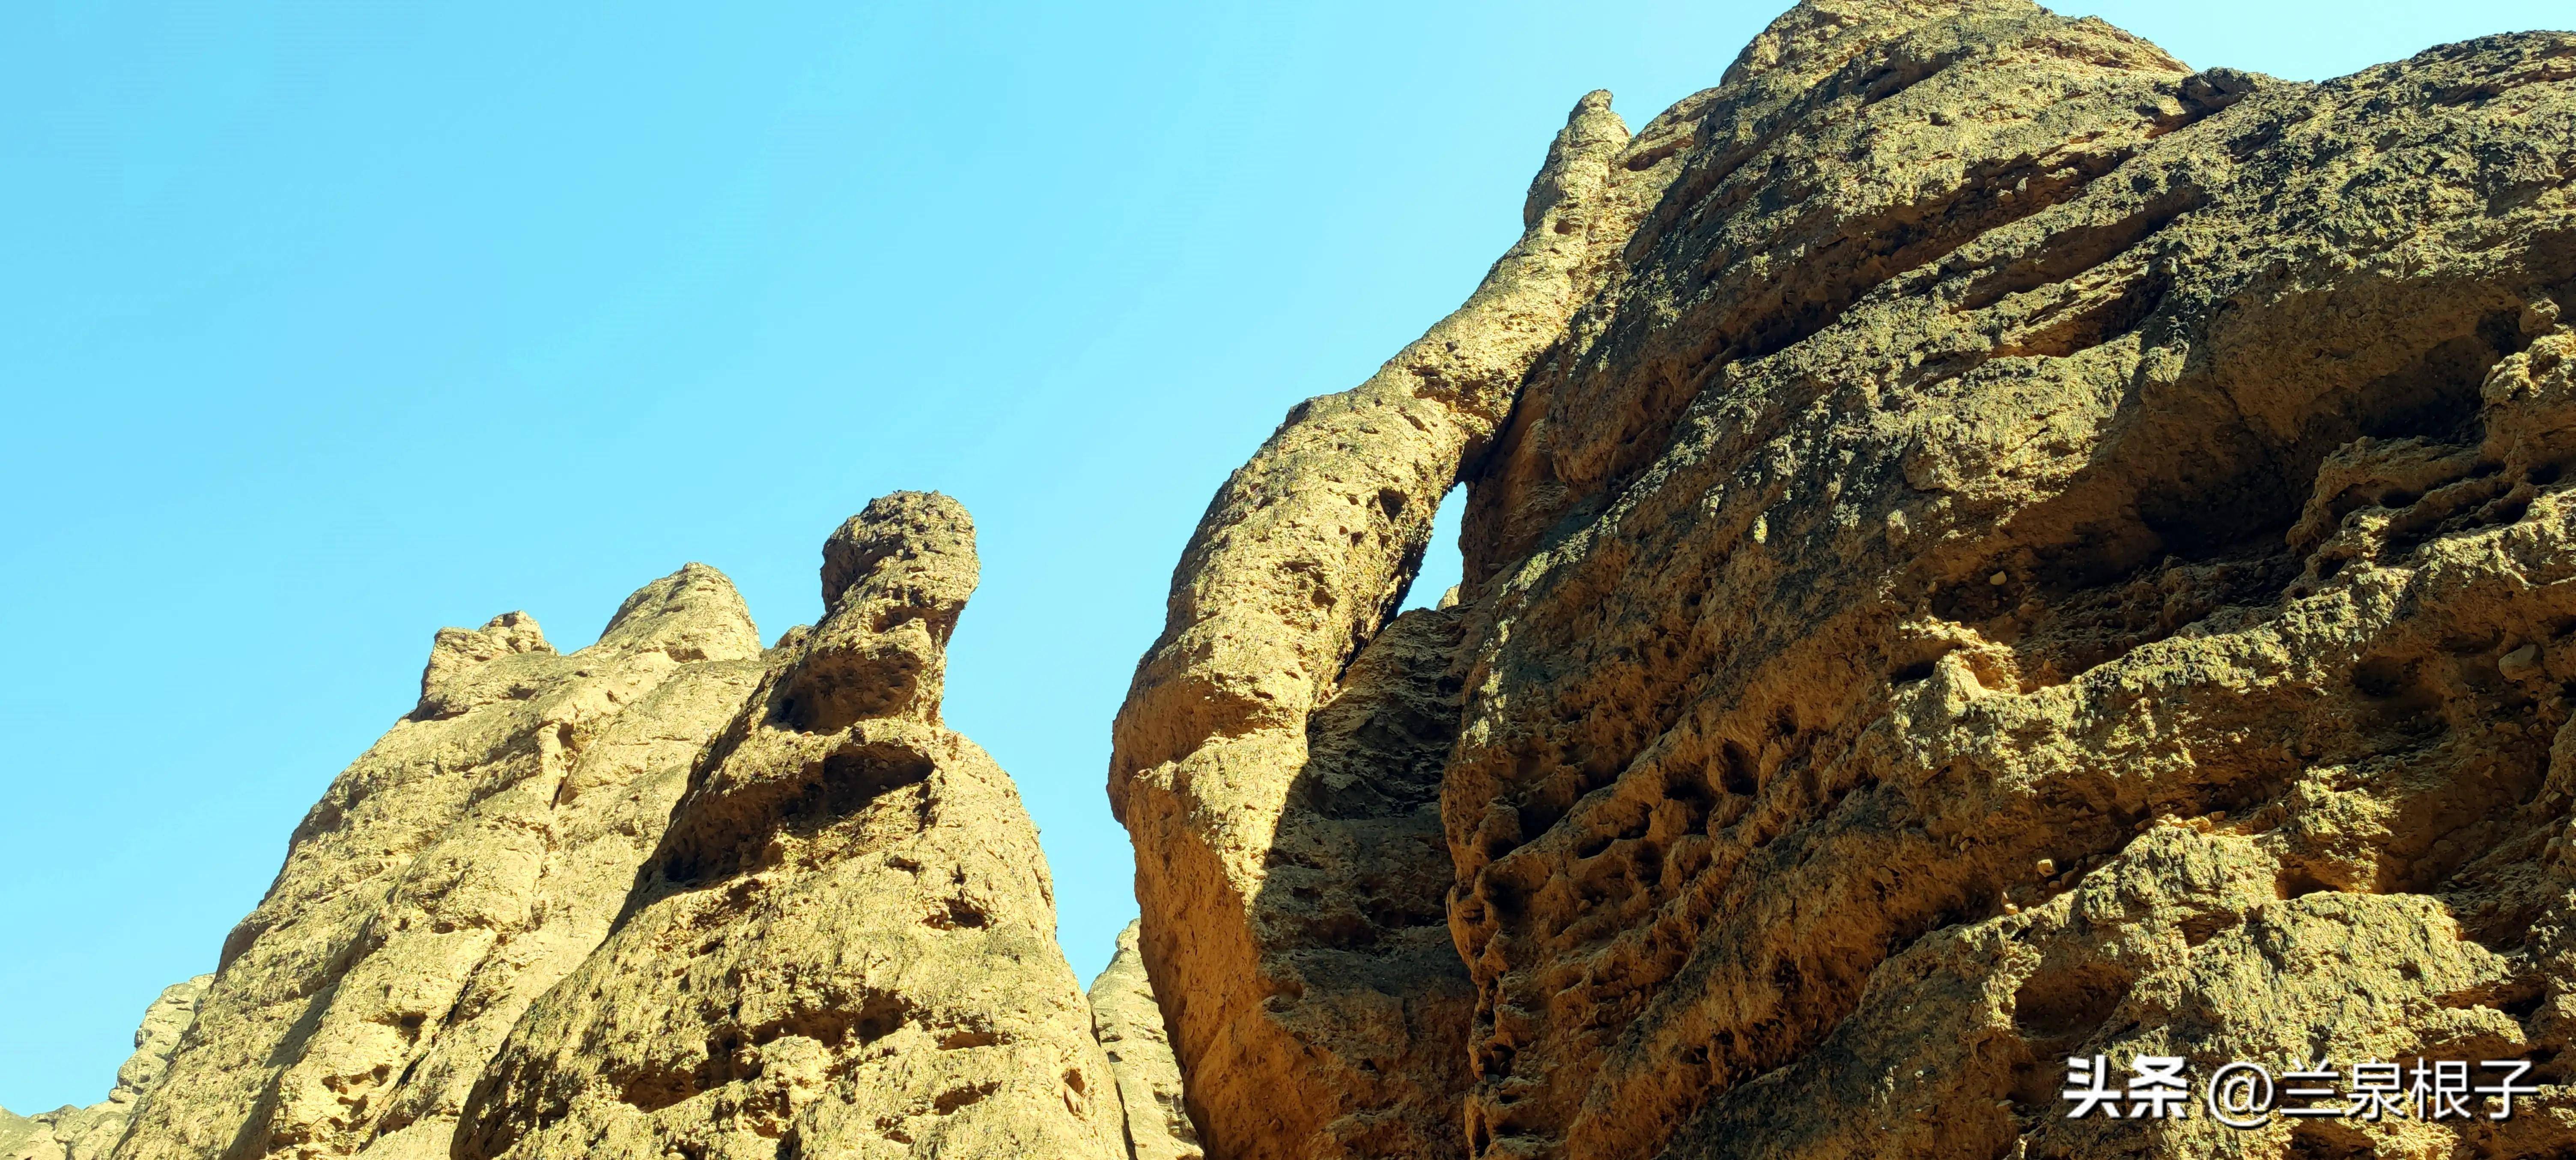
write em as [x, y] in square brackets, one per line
[1128, 1022]
[2025, 550]
[844, 944]
[1985, 545]
[473, 856]
[1292, 888]
[1808, 793]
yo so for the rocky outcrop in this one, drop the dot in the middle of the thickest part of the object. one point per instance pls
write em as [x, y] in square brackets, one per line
[91, 1133]
[2016, 549]
[1305, 1018]
[1829, 736]
[19, 1135]
[1129, 1025]
[1985, 545]
[669, 892]
[469, 860]
[844, 942]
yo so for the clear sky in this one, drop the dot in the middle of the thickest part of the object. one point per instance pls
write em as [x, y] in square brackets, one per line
[323, 325]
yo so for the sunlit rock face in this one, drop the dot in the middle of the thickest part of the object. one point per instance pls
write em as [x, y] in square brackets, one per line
[90, 1133]
[2006, 547]
[464, 864]
[669, 894]
[1985, 546]
[844, 945]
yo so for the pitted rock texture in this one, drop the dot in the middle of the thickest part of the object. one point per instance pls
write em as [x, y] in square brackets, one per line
[1820, 734]
[844, 944]
[1317, 1026]
[460, 867]
[2030, 550]
[1129, 1025]
[91, 1133]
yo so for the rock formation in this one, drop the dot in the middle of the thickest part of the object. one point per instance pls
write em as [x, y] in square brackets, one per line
[669, 893]
[91, 1133]
[1984, 545]
[1303, 1016]
[1129, 1025]
[471, 858]
[844, 944]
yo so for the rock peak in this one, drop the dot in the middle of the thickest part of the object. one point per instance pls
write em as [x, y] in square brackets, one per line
[74, 1133]
[693, 614]
[874, 972]
[895, 578]
[1817, 36]
[458, 655]
[918, 546]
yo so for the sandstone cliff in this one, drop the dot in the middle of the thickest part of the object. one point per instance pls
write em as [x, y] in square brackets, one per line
[1128, 1022]
[449, 876]
[1293, 894]
[672, 891]
[1984, 544]
[844, 944]
[91, 1133]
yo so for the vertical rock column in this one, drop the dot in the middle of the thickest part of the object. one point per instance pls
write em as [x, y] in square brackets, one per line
[844, 946]
[1297, 566]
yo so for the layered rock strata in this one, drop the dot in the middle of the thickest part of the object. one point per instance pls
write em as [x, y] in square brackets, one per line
[93, 1132]
[1129, 1025]
[2019, 549]
[844, 943]
[460, 867]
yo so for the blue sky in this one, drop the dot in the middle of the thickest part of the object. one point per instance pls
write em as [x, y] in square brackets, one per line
[330, 324]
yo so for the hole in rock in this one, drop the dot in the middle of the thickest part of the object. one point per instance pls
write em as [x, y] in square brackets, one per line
[2298, 882]
[2064, 1005]
[1442, 564]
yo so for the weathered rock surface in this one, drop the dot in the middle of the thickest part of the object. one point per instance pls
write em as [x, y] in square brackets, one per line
[2015, 549]
[844, 944]
[1984, 545]
[469, 860]
[18, 1135]
[1129, 1025]
[2181, 485]
[1337, 1022]
[91, 1133]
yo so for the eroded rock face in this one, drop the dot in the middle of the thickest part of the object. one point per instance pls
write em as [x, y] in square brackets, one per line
[91, 1133]
[1316, 1025]
[2028, 550]
[844, 944]
[469, 860]
[1129, 1025]
[2184, 488]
